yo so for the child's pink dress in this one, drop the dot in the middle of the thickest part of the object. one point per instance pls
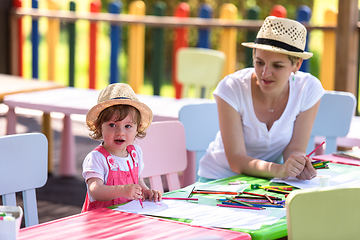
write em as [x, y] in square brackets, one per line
[115, 178]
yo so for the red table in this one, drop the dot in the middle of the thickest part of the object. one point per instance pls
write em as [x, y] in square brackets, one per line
[107, 223]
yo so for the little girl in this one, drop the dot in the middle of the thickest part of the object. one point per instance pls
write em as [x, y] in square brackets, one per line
[117, 119]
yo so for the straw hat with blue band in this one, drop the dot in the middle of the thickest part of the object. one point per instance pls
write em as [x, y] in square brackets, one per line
[281, 35]
[115, 94]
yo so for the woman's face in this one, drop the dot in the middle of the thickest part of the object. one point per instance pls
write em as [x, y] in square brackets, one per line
[273, 70]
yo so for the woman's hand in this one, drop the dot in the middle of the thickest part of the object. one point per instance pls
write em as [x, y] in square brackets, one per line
[309, 172]
[293, 167]
[152, 195]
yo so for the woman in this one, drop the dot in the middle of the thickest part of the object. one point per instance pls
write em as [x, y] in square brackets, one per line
[266, 113]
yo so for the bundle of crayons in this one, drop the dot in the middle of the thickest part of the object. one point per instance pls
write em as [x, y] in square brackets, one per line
[275, 189]
[281, 188]
[255, 202]
[318, 164]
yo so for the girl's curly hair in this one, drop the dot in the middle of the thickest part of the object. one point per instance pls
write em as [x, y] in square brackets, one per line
[121, 111]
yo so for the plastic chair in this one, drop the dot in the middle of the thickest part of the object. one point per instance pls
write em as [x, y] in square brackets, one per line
[23, 164]
[333, 119]
[323, 213]
[200, 68]
[164, 153]
[201, 125]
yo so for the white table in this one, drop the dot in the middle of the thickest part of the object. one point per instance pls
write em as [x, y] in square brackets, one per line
[78, 101]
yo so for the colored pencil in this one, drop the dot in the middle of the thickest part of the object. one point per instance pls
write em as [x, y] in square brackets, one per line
[236, 201]
[256, 194]
[251, 197]
[178, 198]
[254, 201]
[319, 163]
[315, 149]
[255, 205]
[321, 167]
[244, 207]
[279, 188]
[132, 176]
[258, 186]
[189, 196]
[275, 191]
[267, 196]
[251, 201]
[214, 192]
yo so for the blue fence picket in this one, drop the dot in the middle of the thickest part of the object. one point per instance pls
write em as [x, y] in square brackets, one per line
[304, 15]
[205, 11]
[115, 41]
[35, 43]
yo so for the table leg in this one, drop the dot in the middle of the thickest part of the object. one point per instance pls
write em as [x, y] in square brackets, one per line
[67, 157]
[47, 131]
[11, 120]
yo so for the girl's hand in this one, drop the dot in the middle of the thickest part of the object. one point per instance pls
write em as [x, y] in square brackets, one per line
[152, 195]
[309, 172]
[132, 191]
[293, 167]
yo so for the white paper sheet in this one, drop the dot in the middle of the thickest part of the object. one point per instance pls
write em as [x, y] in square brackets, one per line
[340, 175]
[205, 215]
[215, 187]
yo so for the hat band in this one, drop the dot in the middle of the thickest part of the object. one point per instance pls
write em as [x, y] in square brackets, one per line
[278, 44]
[119, 98]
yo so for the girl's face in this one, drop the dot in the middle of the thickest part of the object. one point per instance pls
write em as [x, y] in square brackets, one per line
[118, 135]
[273, 70]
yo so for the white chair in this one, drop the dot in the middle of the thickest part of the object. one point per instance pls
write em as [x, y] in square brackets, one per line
[23, 164]
[200, 68]
[201, 125]
[323, 213]
[164, 153]
[333, 119]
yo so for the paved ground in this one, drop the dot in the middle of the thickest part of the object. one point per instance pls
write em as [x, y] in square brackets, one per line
[60, 197]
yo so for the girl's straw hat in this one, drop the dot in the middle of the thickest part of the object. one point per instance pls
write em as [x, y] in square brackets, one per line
[281, 35]
[115, 94]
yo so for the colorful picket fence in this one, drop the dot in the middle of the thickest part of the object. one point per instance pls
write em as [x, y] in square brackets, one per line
[227, 38]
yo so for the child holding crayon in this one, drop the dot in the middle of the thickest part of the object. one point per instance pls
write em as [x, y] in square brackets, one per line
[117, 119]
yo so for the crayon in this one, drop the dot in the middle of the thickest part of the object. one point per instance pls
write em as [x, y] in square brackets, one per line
[177, 198]
[132, 176]
[256, 194]
[244, 207]
[236, 201]
[214, 192]
[275, 191]
[315, 149]
[255, 205]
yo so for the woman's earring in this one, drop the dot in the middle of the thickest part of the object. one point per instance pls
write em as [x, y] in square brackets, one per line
[294, 76]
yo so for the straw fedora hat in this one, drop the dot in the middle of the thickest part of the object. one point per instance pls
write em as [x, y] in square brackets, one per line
[115, 94]
[281, 35]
